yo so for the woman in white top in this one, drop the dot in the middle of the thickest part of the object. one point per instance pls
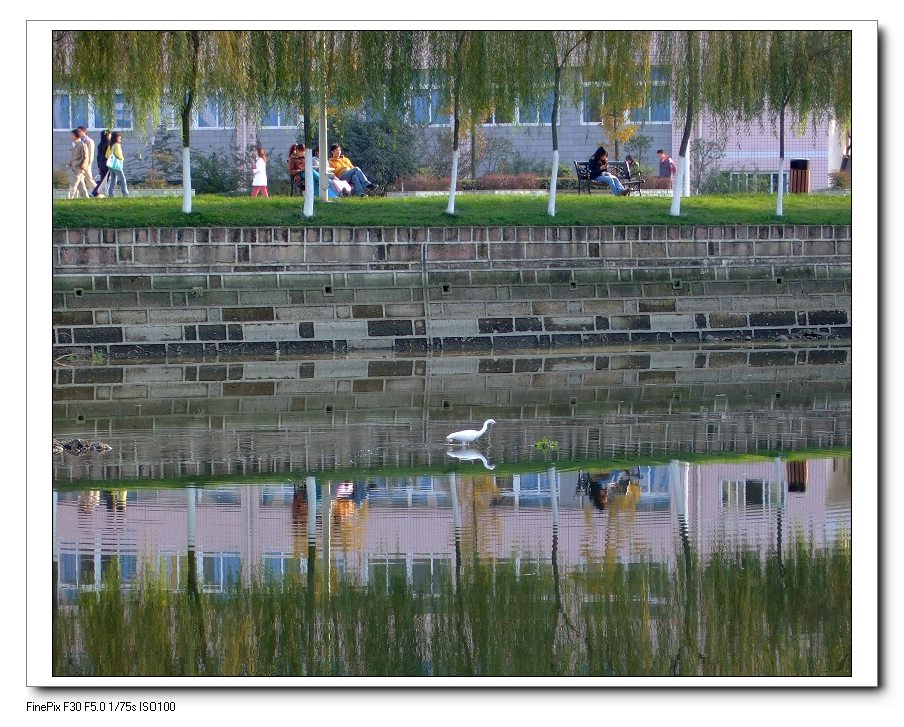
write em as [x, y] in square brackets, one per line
[259, 183]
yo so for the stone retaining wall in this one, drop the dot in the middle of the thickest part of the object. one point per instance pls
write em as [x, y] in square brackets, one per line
[220, 291]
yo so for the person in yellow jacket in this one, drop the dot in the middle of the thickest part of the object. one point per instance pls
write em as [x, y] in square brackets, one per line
[115, 161]
[348, 172]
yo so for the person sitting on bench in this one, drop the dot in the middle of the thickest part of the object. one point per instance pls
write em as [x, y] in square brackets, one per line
[348, 172]
[598, 166]
[632, 168]
[296, 165]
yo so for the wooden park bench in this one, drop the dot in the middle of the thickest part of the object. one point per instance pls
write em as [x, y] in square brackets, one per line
[616, 168]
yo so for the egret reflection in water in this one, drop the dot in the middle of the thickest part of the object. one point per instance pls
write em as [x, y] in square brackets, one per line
[469, 455]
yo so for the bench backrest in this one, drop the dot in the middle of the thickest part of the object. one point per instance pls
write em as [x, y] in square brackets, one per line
[581, 169]
[617, 168]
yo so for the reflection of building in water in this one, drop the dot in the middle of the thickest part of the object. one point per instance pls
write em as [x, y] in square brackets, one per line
[385, 527]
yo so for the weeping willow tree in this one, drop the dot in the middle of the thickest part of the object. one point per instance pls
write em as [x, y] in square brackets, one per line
[539, 63]
[463, 71]
[620, 62]
[155, 71]
[806, 76]
[330, 70]
[289, 69]
[683, 53]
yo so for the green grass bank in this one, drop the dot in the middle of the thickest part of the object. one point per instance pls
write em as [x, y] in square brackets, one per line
[471, 210]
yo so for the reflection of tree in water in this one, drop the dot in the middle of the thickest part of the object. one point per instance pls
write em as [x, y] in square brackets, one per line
[349, 517]
[485, 520]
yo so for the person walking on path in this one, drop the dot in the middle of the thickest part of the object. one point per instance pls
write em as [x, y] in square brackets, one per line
[115, 163]
[78, 159]
[348, 172]
[598, 166]
[667, 167]
[90, 185]
[259, 183]
[103, 180]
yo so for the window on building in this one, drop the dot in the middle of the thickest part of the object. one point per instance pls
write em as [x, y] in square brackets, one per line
[499, 117]
[532, 113]
[122, 116]
[219, 570]
[276, 118]
[70, 111]
[212, 115]
[277, 566]
[426, 109]
[592, 104]
[658, 107]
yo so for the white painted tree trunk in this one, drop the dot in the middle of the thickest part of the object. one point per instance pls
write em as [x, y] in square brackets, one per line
[450, 209]
[677, 186]
[836, 143]
[186, 179]
[308, 209]
[779, 209]
[686, 186]
[553, 178]
[324, 155]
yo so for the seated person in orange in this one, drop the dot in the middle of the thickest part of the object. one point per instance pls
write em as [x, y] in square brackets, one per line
[348, 172]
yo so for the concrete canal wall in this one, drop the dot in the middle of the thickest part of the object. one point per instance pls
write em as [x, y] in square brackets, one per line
[240, 291]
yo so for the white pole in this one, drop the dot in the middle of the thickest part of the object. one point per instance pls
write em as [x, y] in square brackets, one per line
[779, 207]
[326, 502]
[308, 209]
[553, 179]
[310, 485]
[324, 152]
[686, 179]
[679, 492]
[190, 497]
[677, 185]
[834, 146]
[450, 209]
[456, 509]
[186, 179]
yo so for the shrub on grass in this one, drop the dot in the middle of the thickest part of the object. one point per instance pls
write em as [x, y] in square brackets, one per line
[840, 180]
[425, 183]
[383, 148]
[524, 180]
[60, 179]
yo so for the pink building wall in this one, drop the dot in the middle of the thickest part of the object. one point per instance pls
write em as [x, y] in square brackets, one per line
[253, 523]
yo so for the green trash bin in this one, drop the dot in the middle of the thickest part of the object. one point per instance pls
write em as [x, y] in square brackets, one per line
[799, 179]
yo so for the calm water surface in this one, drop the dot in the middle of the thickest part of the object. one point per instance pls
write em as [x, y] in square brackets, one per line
[704, 526]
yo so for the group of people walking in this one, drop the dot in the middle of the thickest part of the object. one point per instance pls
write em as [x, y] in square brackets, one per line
[110, 159]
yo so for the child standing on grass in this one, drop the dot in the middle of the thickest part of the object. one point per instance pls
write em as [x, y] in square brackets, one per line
[259, 183]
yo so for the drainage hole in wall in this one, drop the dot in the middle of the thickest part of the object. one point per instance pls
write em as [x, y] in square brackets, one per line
[676, 284]
[446, 288]
[78, 292]
[327, 289]
[779, 281]
[80, 418]
[573, 284]
[573, 401]
[447, 404]
[328, 408]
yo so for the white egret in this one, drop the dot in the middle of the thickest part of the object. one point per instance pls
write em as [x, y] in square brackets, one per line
[469, 455]
[466, 436]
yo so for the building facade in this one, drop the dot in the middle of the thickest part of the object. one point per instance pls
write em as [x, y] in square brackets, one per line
[748, 154]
